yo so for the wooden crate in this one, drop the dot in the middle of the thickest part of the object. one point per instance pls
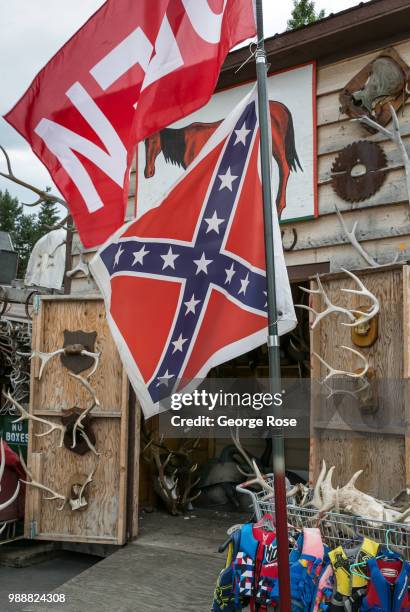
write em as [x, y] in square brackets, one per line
[104, 520]
[384, 457]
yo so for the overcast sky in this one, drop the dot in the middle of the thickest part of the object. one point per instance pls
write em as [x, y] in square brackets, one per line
[33, 30]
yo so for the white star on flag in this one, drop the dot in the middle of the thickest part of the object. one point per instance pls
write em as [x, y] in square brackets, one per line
[244, 284]
[191, 305]
[241, 135]
[226, 180]
[139, 256]
[164, 380]
[229, 274]
[169, 259]
[213, 223]
[118, 255]
[202, 264]
[179, 344]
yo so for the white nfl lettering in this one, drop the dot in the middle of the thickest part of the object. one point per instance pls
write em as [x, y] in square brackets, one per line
[62, 142]
[134, 49]
[205, 22]
[167, 56]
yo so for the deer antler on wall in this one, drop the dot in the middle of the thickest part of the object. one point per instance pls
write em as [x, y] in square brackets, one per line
[78, 425]
[352, 238]
[332, 308]
[73, 349]
[332, 372]
[76, 499]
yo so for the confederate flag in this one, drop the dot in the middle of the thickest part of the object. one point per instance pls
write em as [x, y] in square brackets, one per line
[135, 67]
[185, 285]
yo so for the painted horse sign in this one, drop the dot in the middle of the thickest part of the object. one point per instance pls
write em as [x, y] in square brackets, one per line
[164, 156]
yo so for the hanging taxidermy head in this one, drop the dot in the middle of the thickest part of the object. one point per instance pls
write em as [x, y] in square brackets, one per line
[386, 82]
[381, 82]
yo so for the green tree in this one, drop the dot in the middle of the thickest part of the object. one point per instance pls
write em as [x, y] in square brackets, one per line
[26, 238]
[25, 229]
[10, 213]
[47, 217]
[303, 13]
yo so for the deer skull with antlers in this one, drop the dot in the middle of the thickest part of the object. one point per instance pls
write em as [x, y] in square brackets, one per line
[350, 499]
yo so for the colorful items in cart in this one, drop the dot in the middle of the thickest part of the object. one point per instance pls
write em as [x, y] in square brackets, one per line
[253, 571]
[366, 578]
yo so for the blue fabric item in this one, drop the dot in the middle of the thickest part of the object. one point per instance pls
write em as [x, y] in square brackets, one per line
[391, 595]
[244, 564]
[303, 578]
[224, 600]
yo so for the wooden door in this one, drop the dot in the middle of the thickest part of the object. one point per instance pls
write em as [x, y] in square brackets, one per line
[103, 520]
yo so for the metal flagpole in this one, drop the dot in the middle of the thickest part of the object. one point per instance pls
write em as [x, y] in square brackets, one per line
[278, 448]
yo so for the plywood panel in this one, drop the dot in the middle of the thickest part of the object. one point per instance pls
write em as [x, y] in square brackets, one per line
[57, 388]
[104, 519]
[380, 455]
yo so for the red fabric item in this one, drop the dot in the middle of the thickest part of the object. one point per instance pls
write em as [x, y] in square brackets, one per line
[13, 461]
[131, 70]
[13, 471]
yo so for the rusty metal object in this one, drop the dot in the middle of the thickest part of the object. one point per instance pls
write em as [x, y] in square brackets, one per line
[74, 343]
[365, 81]
[294, 241]
[359, 171]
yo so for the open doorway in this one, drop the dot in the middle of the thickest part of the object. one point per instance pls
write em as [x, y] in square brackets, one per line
[216, 460]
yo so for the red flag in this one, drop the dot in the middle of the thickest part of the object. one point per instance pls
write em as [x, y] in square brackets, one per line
[132, 69]
[185, 285]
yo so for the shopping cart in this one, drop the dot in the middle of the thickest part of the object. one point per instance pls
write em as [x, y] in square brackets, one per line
[336, 529]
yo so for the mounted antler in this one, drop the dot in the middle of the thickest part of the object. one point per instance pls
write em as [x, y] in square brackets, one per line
[330, 308]
[351, 236]
[375, 307]
[355, 316]
[73, 349]
[76, 500]
[39, 485]
[26, 416]
[79, 422]
[334, 372]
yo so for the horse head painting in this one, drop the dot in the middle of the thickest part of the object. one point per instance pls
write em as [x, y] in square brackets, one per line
[180, 146]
